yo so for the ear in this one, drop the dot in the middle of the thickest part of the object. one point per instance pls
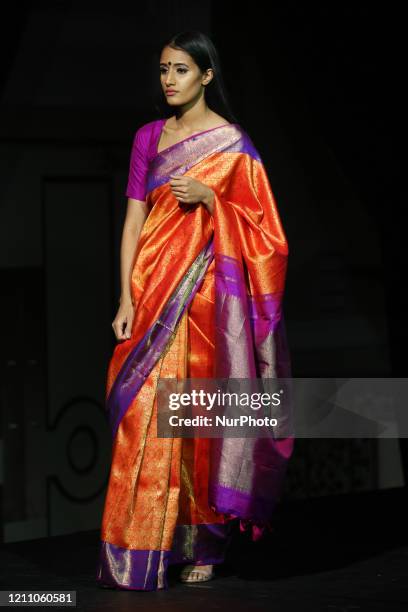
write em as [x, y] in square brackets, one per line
[208, 77]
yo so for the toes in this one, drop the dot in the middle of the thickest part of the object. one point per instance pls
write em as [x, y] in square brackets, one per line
[190, 574]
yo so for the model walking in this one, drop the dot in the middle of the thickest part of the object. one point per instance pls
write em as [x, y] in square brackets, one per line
[203, 267]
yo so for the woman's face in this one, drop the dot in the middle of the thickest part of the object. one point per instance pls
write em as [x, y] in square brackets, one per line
[180, 73]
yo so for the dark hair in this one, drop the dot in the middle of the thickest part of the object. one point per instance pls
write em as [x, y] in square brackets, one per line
[201, 48]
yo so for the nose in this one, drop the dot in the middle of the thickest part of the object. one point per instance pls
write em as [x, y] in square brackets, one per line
[169, 79]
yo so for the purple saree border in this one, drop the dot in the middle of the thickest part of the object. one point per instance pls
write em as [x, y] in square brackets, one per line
[146, 570]
[264, 312]
[225, 139]
[142, 358]
[230, 277]
[143, 570]
[241, 503]
[253, 328]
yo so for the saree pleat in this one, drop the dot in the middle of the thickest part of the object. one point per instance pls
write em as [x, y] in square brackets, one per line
[208, 293]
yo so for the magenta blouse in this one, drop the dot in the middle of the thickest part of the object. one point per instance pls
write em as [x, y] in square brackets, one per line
[144, 148]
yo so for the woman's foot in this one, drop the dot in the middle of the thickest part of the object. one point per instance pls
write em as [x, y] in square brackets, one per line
[196, 573]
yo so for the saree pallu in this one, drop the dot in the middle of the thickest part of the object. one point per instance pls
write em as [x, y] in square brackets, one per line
[208, 293]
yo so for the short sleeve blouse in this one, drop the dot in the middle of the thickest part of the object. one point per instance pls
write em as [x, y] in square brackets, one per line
[144, 148]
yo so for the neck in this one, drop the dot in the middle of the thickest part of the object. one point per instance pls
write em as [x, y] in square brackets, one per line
[192, 118]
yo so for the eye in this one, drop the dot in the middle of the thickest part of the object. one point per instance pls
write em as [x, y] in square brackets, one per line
[163, 70]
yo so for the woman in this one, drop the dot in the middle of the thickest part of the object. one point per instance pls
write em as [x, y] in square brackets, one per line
[201, 298]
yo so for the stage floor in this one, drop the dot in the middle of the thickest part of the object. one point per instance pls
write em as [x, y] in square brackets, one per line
[323, 557]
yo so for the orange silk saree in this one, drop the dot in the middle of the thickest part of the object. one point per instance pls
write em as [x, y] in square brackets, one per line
[208, 293]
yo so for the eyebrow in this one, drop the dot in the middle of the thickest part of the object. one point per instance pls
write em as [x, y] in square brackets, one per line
[176, 64]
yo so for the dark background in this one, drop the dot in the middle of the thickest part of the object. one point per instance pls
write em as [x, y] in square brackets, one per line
[319, 90]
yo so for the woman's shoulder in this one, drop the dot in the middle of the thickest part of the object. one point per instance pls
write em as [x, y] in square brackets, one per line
[144, 131]
[145, 134]
[150, 125]
[147, 128]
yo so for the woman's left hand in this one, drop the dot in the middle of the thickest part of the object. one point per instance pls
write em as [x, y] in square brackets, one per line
[188, 190]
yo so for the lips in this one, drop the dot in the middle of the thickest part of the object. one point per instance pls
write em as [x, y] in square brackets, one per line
[170, 91]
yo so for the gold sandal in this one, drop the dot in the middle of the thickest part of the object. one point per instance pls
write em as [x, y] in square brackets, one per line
[188, 570]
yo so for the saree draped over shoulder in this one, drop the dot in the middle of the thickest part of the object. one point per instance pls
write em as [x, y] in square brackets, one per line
[208, 293]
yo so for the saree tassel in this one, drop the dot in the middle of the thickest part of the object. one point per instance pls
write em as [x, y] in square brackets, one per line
[257, 530]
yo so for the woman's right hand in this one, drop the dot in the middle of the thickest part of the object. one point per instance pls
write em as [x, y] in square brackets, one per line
[122, 324]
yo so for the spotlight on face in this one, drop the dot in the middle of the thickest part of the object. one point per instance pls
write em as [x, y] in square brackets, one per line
[181, 79]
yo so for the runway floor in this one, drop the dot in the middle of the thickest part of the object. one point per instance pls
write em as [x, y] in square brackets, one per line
[335, 555]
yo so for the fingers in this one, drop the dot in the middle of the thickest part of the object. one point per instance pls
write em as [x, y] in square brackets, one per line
[118, 331]
[122, 327]
[180, 181]
[180, 195]
[178, 188]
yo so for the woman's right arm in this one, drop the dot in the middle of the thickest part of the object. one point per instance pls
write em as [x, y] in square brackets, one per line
[136, 215]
